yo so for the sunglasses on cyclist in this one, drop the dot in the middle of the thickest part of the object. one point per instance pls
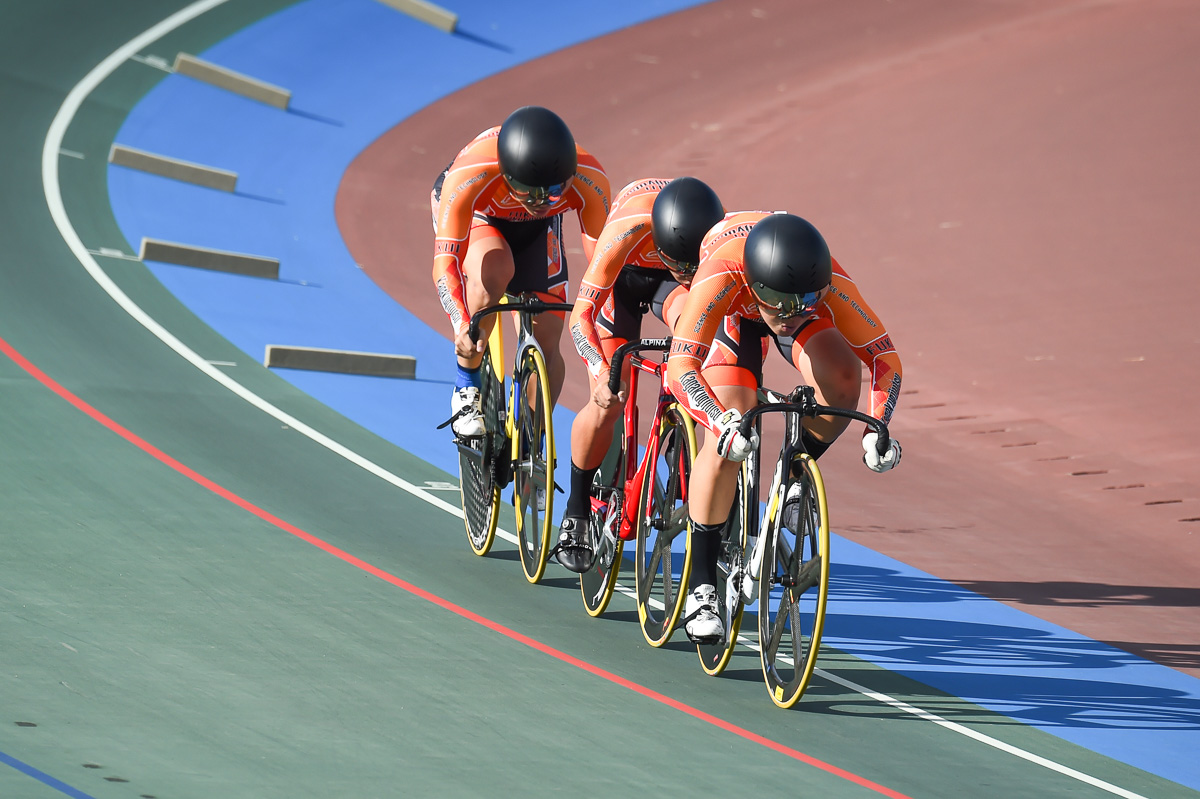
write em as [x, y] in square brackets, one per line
[682, 268]
[537, 195]
[788, 306]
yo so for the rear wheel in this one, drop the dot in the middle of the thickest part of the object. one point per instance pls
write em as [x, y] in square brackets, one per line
[533, 469]
[663, 557]
[794, 586]
[731, 571]
[604, 523]
[478, 486]
[598, 583]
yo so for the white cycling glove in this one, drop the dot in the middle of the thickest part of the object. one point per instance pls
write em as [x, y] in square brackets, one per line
[876, 462]
[731, 444]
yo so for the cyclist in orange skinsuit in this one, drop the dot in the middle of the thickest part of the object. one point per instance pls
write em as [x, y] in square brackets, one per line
[766, 276]
[646, 256]
[497, 215]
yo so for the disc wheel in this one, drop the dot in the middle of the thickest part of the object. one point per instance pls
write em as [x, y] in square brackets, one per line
[477, 484]
[794, 587]
[731, 570]
[663, 557]
[533, 464]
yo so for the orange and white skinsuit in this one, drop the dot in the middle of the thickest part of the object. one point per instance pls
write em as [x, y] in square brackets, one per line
[487, 242]
[721, 338]
[624, 279]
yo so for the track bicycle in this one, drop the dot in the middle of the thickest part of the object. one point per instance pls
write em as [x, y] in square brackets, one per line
[645, 500]
[617, 487]
[792, 582]
[518, 443]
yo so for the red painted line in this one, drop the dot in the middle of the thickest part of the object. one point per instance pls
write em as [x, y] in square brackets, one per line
[417, 591]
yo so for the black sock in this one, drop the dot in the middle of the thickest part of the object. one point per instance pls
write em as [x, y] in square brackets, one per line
[579, 503]
[706, 545]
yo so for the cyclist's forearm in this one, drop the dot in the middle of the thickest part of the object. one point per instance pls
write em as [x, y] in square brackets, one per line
[587, 344]
[693, 392]
[448, 278]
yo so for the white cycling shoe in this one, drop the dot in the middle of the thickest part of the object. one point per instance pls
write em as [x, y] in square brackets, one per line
[467, 418]
[702, 616]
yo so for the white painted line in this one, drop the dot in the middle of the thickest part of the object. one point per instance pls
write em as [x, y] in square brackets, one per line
[54, 138]
[71, 154]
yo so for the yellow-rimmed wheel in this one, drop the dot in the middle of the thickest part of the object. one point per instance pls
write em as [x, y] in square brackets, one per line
[533, 462]
[483, 465]
[663, 558]
[794, 585]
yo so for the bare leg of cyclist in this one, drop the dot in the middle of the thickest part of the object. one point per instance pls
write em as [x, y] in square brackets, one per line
[487, 267]
[547, 329]
[827, 363]
[591, 437]
[714, 479]
[711, 489]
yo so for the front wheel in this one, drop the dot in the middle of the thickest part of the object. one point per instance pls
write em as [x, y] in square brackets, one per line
[533, 462]
[663, 558]
[794, 585]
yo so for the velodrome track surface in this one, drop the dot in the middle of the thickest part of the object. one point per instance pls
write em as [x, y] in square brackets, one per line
[172, 636]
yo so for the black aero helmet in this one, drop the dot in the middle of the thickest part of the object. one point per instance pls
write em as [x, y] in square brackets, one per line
[536, 150]
[788, 265]
[683, 212]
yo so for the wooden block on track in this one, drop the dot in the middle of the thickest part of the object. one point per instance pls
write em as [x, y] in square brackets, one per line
[204, 258]
[426, 12]
[173, 168]
[232, 81]
[342, 361]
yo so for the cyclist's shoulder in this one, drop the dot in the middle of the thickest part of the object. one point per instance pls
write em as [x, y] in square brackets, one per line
[589, 172]
[480, 152]
[640, 192]
[588, 163]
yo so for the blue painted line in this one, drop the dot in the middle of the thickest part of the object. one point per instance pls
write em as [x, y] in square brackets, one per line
[43, 777]
[339, 58]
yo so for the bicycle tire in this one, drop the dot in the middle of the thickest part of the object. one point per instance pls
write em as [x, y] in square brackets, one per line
[731, 560]
[533, 431]
[477, 460]
[598, 583]
[794, 587]
[662, 515]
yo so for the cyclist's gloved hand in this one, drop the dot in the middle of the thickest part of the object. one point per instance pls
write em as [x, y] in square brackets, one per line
[731, 444]
[876, 462]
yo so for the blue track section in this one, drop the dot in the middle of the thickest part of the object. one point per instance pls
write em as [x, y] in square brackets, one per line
[356, 68]
[43, 777]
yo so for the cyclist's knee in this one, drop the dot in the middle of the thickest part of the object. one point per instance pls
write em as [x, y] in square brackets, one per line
[841, 387]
